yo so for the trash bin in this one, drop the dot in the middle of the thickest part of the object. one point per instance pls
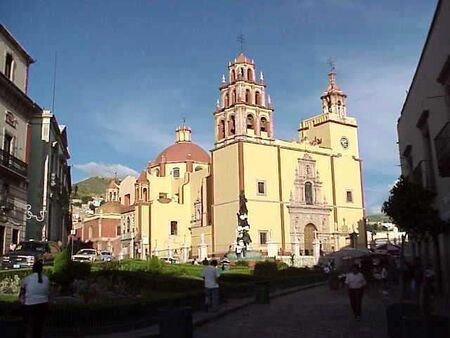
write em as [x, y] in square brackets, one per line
[395, 314]
[262, 293]
[12, 327]
[438, 326]
[176, 323]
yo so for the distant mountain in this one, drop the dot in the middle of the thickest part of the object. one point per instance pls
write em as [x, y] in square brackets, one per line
[92, 186]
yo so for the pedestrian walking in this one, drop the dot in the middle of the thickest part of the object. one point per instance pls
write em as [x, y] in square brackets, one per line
[428, 290]
[418, 278]
[355, 282]
[34, 295]
[211, 275]
[225, 263]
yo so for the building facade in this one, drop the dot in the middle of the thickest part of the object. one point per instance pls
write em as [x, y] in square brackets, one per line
[50, 182]
[16, 111]
[103, 229]
[299, 191]
[424, 132]
[302, 196]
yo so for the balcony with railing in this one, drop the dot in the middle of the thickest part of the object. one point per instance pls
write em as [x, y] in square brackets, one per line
[13, 164]
[442, 146]
[423, 174]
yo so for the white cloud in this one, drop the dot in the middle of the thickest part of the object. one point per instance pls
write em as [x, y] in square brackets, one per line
[106, 170]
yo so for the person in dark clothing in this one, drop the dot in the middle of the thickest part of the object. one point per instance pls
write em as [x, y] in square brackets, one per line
[355, 282]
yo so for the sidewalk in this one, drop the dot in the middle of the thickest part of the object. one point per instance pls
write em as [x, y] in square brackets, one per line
[200, 318]
[312, 313]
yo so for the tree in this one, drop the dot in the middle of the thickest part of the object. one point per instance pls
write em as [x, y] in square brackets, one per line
[410, 206]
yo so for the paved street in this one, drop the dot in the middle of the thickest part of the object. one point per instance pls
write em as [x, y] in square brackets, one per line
[317, 312]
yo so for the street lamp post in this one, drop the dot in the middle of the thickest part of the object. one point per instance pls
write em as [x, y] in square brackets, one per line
[29, 215]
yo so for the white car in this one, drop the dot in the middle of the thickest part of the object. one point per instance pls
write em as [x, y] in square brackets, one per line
[106, 256]
[86, 256]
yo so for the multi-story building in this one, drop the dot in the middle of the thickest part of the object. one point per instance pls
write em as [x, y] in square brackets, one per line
[49, 176]
[16, 111]
[424, 132]
[103, 227]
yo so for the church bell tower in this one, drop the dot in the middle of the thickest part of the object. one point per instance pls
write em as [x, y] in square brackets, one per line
[243, 111]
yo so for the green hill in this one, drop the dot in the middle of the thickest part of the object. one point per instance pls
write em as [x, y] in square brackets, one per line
[92, 186]
[382, 218]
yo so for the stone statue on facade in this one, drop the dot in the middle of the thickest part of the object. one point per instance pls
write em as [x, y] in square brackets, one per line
[243, 237]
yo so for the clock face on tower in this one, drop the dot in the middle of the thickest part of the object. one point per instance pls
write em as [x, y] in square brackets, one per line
[344, 142]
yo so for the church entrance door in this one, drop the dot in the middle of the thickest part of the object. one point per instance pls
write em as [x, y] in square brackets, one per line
[309, 238]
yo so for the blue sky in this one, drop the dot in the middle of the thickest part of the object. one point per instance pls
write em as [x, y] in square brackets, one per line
[129, 71]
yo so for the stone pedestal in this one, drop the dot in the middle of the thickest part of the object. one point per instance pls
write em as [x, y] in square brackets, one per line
[272, 249]
[184, 253]
[296, 248]
[202, 251]
[316, 250]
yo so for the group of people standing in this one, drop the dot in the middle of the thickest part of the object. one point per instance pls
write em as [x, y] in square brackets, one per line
[417, 283]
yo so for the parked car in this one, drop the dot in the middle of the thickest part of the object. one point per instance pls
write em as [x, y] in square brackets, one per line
[27, 252]
[106, 256]
[86, 256]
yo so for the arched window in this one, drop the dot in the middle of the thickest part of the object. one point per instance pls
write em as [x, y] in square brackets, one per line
[247, 96]
[257, 98]
[90, 233]
[232, 125]
[128, 224]
[264, 124]
[308, 193]
[250, 122]
[198, 168]
[227, 100]
[157, 172]
[144, 194]
[233, 75]
[233, 97]
[176, 172]
[110, 196]
[221, 130]
[242, 73]
[249, 75]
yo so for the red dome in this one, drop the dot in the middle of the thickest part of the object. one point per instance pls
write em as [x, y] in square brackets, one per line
[181, 152]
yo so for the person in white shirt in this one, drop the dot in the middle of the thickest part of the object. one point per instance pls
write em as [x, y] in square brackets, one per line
[355, 282]
[210, 275]
[34, 295]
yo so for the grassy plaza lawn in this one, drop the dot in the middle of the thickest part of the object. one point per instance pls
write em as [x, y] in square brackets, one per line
[131, 292]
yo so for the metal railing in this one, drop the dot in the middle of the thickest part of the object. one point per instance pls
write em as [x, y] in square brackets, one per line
[13, 163]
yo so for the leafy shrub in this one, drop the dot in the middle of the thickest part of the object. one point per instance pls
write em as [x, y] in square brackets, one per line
[153, 265]
[265, 269]
[282, 265]
[62, 262]
[10, 285]
[242, 263]
[65, 271]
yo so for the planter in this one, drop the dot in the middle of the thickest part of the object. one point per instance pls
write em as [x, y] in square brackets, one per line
[12, 327]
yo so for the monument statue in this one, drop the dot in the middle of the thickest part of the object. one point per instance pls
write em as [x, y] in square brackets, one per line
[243, 237]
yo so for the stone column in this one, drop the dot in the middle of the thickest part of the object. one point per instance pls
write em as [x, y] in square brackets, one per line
[184, 253]
[316, 250]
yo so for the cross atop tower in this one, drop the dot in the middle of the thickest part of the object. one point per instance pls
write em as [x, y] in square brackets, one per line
[332, 65]
[241, 40]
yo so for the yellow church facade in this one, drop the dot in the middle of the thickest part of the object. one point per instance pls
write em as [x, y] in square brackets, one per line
[302, 196]
[297, 192]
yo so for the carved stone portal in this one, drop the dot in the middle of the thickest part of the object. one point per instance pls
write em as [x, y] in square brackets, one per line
[308, 210]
